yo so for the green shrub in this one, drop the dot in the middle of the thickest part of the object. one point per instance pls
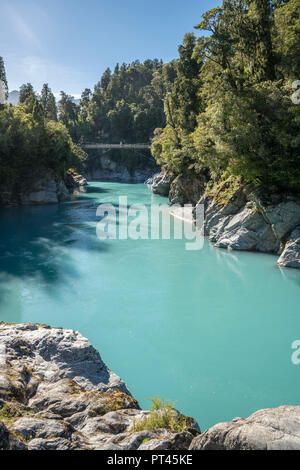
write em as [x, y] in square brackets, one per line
[162, 416]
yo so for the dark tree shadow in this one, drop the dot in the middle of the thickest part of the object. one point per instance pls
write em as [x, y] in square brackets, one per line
[41, 242]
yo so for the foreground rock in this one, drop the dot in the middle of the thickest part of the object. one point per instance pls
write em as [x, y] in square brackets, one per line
[273, 429]
[57, 394]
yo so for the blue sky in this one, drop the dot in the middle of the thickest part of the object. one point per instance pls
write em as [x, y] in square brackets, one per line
[69, 43]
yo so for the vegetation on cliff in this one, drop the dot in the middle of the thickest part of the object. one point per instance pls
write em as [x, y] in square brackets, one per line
[32, 142]
[229, 110]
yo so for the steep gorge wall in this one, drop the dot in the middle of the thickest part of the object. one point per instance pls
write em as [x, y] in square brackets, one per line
[122, 166]
[46, 189]
[239, 216]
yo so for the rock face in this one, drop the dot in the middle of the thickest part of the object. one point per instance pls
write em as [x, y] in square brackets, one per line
[290, 256]
[43, 190]
[273, 429]
[75, 183]
[57, 394]
[162, 184]
[238, 225]
[46, 190]
[247, 220]
[187, 189]
[111, 170]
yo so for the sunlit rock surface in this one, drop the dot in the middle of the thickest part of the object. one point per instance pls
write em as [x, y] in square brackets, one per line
[272, 429]
[56, 393]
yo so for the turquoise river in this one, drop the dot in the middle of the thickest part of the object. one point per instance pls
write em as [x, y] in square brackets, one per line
[210, 329]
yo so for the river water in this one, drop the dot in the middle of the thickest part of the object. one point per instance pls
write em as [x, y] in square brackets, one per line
[209, 329]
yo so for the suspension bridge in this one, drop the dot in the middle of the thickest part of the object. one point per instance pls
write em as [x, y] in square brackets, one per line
[94, 146]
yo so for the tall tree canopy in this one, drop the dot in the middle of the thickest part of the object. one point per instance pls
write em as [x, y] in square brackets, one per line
[32, 143]
[124, 106]
[246, 123]
[48, 103]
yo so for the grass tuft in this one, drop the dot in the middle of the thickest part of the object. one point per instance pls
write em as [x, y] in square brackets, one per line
[162, 416]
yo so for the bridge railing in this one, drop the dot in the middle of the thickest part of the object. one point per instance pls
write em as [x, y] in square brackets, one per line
[90, 145]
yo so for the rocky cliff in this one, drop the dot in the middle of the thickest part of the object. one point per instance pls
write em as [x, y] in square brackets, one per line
[106, 167]
[46, 189]
[240, 216]
[56, 393]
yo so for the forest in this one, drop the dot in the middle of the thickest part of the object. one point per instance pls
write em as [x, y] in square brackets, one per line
[223, 109]
[229, 111]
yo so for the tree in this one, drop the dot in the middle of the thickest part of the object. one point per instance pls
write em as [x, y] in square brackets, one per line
[246, 124]
[261, 17]
[3, 75]
[105, 80]
[286, 39]
[27, 97]
[68, 114]
[48, 103]
[31, 146]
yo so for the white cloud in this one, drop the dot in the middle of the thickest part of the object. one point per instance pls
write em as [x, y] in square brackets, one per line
[22, 28]
[33, 69]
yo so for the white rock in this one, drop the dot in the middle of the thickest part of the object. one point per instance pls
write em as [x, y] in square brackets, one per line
[272, 429]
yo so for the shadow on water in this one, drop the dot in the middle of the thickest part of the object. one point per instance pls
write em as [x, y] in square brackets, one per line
[41, 243]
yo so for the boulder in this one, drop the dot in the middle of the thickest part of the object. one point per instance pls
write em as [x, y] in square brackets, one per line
[271, 429]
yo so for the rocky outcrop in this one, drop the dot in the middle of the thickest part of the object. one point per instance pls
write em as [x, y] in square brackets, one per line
[162, 184]
[290, 257]
[56, 393]
[75, 182]
[47, 189]
[272, 429]
[187, 189]
[238, 224]
[241, 217]
[44, 190]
